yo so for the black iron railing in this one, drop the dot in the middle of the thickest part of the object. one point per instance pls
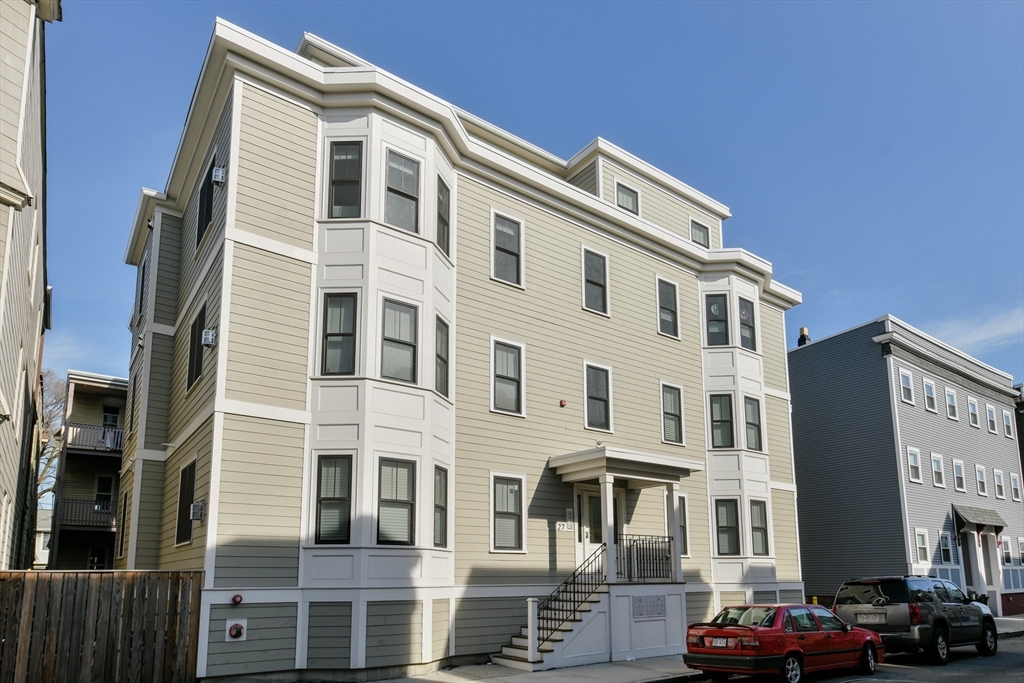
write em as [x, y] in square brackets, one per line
[643, 558]
[564, 601]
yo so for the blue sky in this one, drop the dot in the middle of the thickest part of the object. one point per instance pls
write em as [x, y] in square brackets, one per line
[873, 152]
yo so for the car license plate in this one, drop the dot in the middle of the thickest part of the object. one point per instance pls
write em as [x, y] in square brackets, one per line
[870, 618]
[718, 642]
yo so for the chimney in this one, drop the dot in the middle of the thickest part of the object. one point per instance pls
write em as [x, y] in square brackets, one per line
[805, 336]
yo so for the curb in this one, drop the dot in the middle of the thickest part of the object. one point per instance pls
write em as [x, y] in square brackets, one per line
[1010, 634]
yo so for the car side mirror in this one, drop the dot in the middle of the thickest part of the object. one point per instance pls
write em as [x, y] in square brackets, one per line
[847, 628]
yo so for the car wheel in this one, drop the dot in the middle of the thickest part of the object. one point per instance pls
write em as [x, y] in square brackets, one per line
[792, 670]
[868, 660]
[989, 640]
[938, 651]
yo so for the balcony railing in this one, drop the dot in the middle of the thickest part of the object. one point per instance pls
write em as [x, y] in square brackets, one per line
[96, 513]
[643, 558]
[95, 437]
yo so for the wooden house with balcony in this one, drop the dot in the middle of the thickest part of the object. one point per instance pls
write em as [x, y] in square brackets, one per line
[88, 475]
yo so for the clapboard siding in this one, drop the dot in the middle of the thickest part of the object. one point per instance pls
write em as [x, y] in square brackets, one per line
[329, 645]
[199, 447]
[260, 501]
[779, 442]
[17, 30]
[80, 472]
[441, 631]
[140, 304]
[269, 333]
[765, 597]
[147, 544]
[394, 633]
[946, 355]
[729, 598]
[269, 643]
[791, 596]
[659, 206]
[161, 367]
[842, 432]
[165, 307]
[773, 347]
[276, 168]
[543, 316]
[645, 511]
[697, 567]
[787, 561]
[483, 625]
[700, 607]
[586, 179]
[122, 535]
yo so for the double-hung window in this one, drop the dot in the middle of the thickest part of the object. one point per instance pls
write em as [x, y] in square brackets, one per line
[1014, 486]
[1007, 424]
[906, 386]
[346, 179]
[141, 292]
[914, 464]
[759, 527]
[727, 524]
[972, 412]
[938, 475]
[339, 343]
[945, 549]
[205, 213]
[990, 413]
[721, 421]
[507, 250]
[599, 402]
[717, 320]
[444, 196]
[748, 334]
[929, 396]
[684, 539]
[979, 471]
[595, 282]
[186, 496]
[997, 479]
[921, 545]
[195, 347]
[403, 192]
[951, 411]
[700, 234]
[398, 360]
[1020, 549]
[333, 500]
[103, 488]
[508, 378]
[1007, 552]
[959, 481]
[672, 413]
[440, 507]
[668, 309]
[627, 198]
[508, 513]
[397, 505]
[752, 416]
[441, 357]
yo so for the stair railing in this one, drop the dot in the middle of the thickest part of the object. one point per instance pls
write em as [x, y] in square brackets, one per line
[564, 601]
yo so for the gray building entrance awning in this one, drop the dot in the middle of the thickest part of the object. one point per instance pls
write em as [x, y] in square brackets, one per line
[982, 517]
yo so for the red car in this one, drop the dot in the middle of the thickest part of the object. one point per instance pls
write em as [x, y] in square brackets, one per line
[786, 640]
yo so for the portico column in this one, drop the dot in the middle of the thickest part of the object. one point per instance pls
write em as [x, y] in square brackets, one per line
[677, 539]
[608, 523]
[977, 566]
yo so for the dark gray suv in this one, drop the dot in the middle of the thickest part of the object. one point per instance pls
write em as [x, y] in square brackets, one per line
[917, 612]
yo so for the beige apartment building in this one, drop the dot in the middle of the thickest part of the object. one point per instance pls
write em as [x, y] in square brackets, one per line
[415, 392]
[24, 295]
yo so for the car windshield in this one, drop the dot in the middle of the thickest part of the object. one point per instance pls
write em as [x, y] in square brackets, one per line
[879, 593]
[746, 616]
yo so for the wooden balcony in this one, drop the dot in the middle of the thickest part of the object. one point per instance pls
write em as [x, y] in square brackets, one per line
[95, 437]
[94, 513]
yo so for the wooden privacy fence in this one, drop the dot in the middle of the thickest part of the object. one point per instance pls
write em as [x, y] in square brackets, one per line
[99, 626]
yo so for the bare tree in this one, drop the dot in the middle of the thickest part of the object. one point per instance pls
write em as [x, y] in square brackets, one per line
[54, 389]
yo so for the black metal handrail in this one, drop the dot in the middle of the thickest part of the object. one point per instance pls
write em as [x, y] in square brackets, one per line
[643, 558]
[565, 600]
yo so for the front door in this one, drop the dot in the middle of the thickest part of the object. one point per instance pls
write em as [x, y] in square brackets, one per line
[590, 532]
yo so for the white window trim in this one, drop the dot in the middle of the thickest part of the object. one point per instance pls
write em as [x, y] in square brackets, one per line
[421, 201]
[997, 475]
[416, 511]
[522, 510]
[363, 177]
[971, 401]
[994, 421]
[199, 186]
[383, 298]
[927, 546]
[310, 540]
[768, 520]
[611, 398]
[321, 321]
[177, 502]
[1007, 424]
[949, 541]
[703, 225]
[956, 407]
[942, 470]
[910, 376]
[607, 280]
[657, 308]
[495, 212]
[199, 305]
[1015, 486]
[762, 410]
[1005, 551]
[910, 476]
[522, 376]
[983, 480]
[740, 522]
[682, 413]
[113, 487]
[935, 397]
[1020, 548]
[964, 475]
[615, 197]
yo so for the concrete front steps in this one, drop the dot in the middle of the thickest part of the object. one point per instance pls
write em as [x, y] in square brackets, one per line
[516, 655]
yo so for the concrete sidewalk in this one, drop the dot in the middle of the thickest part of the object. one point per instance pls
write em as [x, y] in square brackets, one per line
[1010, 626]
[660, 669]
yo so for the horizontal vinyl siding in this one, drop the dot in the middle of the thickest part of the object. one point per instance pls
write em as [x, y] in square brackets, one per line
[842, 433]
[269, 643]
[276, 168]
[700, 607]
[586, 179]
[190, 555]
[483, 625]
[791, 596]
[269, 332]
[394, 633]
[773, 347]
[441, 632]
[645, 511]
[147, 545]
[125, 484]
[779, 444]
[260, 502]
[948, 356]
[729, 598]
[765, 597]
[787, 564]
[158, 408]
[80, 472]
[697, 567]
[165, 307]
[329, 644]
[543, 316]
